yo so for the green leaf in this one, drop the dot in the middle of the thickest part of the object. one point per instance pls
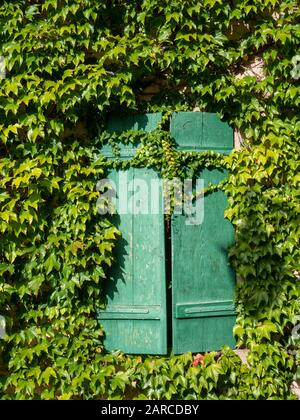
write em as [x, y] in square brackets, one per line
[51, 263]
[46, 375]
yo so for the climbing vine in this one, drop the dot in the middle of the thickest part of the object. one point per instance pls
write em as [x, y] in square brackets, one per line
[70, 64]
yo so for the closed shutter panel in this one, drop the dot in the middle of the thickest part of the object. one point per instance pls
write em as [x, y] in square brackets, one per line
[134, 319]
[203, 283]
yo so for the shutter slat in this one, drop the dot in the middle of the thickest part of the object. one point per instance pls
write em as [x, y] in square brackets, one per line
[204, 309]
[131, 312]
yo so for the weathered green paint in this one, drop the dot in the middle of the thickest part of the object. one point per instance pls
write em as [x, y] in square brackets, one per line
[134, 319]
[203, 283]
[201, 131]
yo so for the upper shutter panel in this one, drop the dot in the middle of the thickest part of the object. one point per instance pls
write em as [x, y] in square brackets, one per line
[201, 131]
[147, 122]
[134, 319]
[203, 283]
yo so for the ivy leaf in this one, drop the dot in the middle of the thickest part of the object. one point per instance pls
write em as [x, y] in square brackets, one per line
[51, 263]
[213, 371]
[46, 375]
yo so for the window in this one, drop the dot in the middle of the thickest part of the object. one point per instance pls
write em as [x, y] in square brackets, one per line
[172, 286]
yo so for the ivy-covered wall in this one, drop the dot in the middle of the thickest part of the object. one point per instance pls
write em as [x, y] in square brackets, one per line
[68, 66]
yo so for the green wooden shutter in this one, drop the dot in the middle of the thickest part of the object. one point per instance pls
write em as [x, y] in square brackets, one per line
[203, 283]
[134, 319]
